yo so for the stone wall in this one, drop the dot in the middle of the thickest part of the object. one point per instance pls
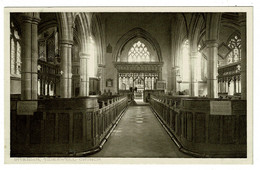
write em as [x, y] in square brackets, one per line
[158, 25]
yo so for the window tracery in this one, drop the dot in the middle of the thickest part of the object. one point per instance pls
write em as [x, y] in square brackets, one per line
[235, 46]
[139, 53]
[15, 52]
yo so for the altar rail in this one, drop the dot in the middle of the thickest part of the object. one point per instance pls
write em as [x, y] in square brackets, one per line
[64, 127]
[200, 133]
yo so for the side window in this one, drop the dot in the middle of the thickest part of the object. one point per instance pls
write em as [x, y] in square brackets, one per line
[15, 52]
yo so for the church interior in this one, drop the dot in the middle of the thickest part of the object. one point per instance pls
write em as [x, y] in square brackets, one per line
[128, 84]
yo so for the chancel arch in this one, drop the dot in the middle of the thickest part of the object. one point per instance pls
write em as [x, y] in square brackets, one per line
[138, 50]
[136, 33]
[138, 62]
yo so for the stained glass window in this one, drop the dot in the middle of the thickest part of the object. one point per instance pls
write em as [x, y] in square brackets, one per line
[139, 53]
[15, 52]
[235, 54]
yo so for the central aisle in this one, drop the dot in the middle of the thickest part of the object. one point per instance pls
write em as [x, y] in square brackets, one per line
[139, 134]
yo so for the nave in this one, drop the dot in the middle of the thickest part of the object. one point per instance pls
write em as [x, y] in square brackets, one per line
[139, 134]
[73, 75]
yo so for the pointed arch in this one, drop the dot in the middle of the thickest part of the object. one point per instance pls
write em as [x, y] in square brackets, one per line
[185, 22]
[179, 35]
[136, 33]
[235, 33]
[65, 22]
[98, 33]
[213, 21]
[81, 31]
[195, 31]
[138, 50]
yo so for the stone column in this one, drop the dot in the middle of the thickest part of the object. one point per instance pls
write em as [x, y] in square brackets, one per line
[102, 76]
[212, 80]
[83, 73]
[174, 79]
[242, 17]
[66, 66]
[194, 89]
[29, 73]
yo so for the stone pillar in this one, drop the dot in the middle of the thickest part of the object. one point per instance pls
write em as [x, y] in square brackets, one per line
[102, 77]
[194, 88]
[66, 66]
[29, 73]
[83, 73]
[242, 17]
[174, 80]
[212, 80]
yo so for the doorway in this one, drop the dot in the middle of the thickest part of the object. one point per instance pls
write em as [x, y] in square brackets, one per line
[139, 88]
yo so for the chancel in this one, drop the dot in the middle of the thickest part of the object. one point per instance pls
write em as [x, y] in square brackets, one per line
[128, 84]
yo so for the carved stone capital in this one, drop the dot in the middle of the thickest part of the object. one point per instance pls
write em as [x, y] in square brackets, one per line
[211, 43]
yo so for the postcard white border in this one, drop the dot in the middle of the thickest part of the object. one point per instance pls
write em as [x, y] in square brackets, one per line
[248, 160]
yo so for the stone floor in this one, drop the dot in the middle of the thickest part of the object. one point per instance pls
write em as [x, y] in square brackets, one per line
[139, 134]
[140, 102]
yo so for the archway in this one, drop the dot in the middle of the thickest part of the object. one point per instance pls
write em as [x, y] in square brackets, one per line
[138, 62]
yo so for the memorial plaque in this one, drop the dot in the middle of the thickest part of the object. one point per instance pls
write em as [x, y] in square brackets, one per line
[161, 85]
[220, 108]
[26, 107]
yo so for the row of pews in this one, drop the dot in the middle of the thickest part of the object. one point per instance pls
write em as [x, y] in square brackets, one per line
[204, 127]
[63, 127]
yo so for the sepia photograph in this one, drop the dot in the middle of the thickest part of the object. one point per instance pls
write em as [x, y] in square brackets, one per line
[166, 84]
